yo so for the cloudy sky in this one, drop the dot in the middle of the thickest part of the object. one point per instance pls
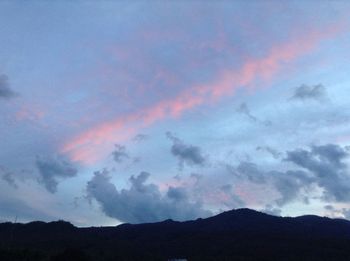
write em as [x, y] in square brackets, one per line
[113, 111]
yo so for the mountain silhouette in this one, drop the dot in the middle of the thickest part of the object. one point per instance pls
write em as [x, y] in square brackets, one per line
[241, 234]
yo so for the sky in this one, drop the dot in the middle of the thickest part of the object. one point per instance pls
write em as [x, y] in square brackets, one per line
[141, 111]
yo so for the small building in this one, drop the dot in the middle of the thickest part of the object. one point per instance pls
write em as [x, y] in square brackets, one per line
[177, 259]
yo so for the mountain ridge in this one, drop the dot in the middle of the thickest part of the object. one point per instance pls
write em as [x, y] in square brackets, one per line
[240, 234]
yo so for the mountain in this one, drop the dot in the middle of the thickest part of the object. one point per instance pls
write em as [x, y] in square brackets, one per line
[241, 234]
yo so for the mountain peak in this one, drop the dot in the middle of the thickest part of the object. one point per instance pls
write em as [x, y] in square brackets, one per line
[230, 235]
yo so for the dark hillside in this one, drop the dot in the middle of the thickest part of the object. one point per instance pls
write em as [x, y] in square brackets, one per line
[241, 234]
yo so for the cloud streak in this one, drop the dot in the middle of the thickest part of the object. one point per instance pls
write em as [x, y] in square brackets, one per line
[244, 109]
[307, 92]
[87, 146]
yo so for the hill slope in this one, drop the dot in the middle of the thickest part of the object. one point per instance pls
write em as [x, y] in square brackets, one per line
[241, 234]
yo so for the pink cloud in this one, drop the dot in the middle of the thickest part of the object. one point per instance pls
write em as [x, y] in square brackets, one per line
[89, 145]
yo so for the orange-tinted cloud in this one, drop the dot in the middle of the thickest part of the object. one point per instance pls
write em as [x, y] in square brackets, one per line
[91, 145]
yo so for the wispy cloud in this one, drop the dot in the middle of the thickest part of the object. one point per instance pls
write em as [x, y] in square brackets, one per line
[244, 109]
[88, 145]
[186, 153]
[308, 92]
[140, 137]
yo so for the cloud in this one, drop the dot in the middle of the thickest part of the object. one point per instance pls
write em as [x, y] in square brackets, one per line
[244, 109]
[120, 154]
[142, 202]
[177, 194]
[326, 163]
[308, 92]
[228, 197]
[346, 213]
[322, 166]
[270, 150]
[12, 208]
[329, 207]
[335, 212]
[186, 154]
[140, 137]
[53, 169]
[227, 82]
[8, 177]
[251, 172]
[5, 91]
[271, 210]
[290, 184]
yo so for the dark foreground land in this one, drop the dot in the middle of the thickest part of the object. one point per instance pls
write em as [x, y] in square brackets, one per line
[234, 235]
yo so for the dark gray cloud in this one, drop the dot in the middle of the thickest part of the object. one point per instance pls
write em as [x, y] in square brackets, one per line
[186, 153]
[120, 154]
[290, 184]
[322, 166]
[51, 170]
[308, 92]
[9, 178]
[329, 207]
[271, 210]
[177, 193]
[288, 187]
[270, 150]
[140, 137]
[142, 202]
[244, 109]
[5, 91]
[326, 163]
[251, 172]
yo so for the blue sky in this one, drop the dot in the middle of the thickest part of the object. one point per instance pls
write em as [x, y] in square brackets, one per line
[136, 112]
